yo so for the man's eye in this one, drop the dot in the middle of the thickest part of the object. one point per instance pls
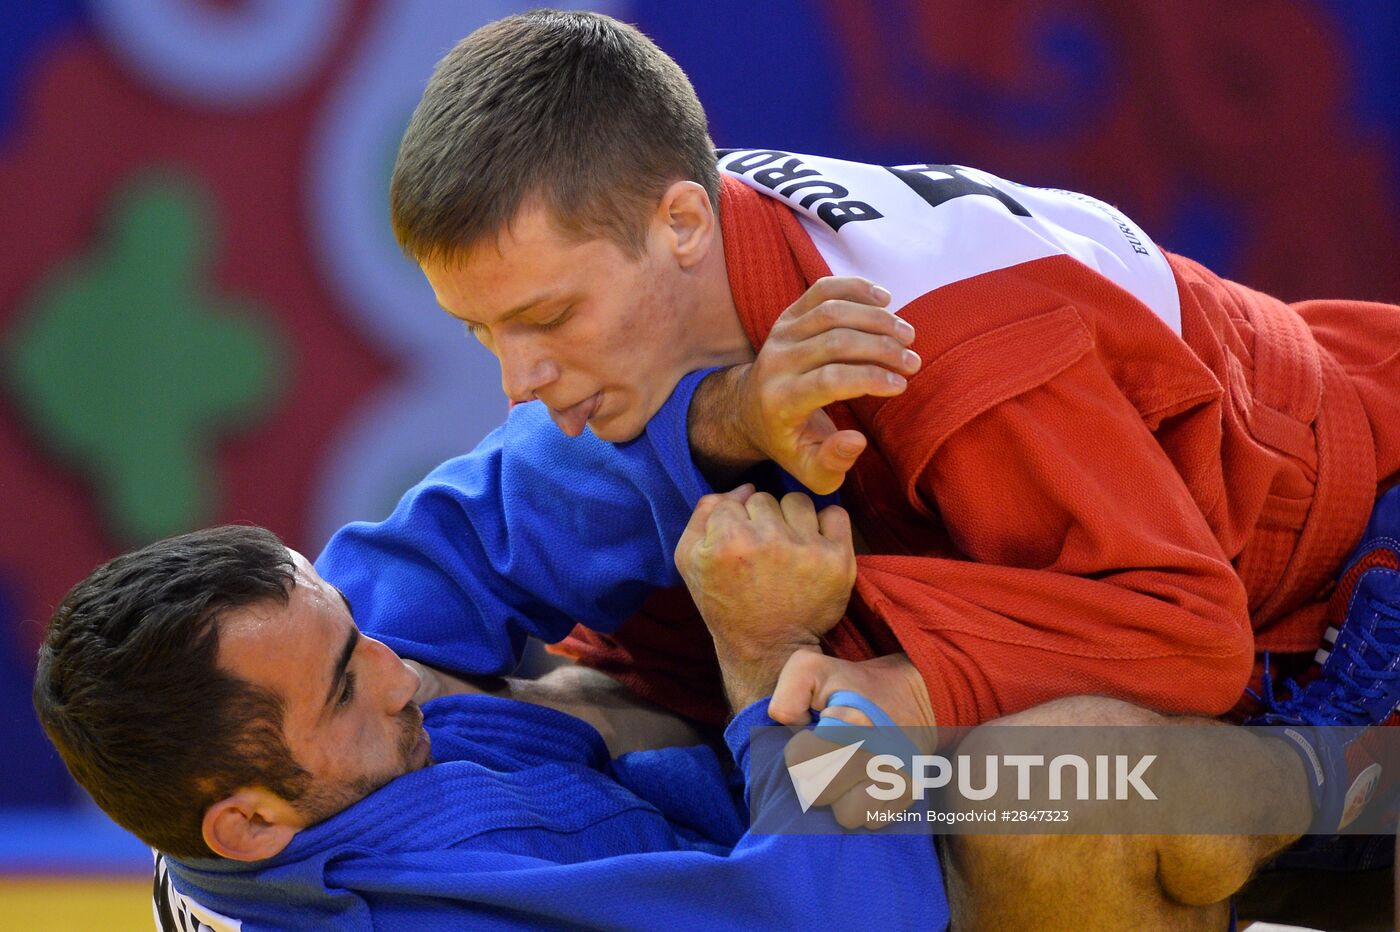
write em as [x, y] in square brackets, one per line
[556, 322]
[348, 693]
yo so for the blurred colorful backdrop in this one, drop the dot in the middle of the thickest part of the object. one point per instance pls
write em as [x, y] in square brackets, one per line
[204, 317]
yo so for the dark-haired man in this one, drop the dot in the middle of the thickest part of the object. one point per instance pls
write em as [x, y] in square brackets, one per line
[1093, 466]
[215, 696]
[299, 793]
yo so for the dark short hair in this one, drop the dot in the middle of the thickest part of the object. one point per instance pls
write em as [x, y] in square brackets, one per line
[129, 690]
[577, 109]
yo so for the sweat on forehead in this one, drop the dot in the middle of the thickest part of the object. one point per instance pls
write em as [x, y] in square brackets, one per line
[280, 644]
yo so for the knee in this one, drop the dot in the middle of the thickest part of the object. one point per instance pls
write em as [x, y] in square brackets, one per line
[1029, 881]
[1003, 736]
[1051, 865]
[1083, 710]
[1197, 870]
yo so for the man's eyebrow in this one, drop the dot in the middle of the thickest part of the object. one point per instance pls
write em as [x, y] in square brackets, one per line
[338, 674]
[513, 312]
[344, 598]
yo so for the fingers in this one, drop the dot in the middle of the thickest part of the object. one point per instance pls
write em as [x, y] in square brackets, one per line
[763, 508]
[728, 519]
[740, 494]
[698, 525]
[729, 524]
[857, 807]
[806, 745]
[836, 288]
[796, 511]
[807, 679]
[848, 332]
[801, 677]
[694, 533]
[849, 716]
[849, 792]
[800, 513]
[850, 810]
[835, 525]
[849, 345]
[835, 382]
[715, 515]
[839, 452]
[821, 462]
[708, 503]
[855, 315]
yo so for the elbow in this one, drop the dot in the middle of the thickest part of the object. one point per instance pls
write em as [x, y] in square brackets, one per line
[1229, 674]
[1222, 659]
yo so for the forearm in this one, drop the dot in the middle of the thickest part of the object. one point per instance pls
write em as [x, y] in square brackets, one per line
[769, 579]
[434, 683]
[719, 445]
[626, 722]
[751, 671]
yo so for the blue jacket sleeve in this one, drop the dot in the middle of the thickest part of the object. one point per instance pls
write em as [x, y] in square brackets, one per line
[618, 872]
[832, 879]
[526, 535]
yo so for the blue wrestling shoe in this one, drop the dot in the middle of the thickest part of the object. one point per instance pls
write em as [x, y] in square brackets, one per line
[1358, 685]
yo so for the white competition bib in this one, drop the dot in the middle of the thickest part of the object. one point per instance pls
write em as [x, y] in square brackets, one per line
[175, 912]
[914, 228]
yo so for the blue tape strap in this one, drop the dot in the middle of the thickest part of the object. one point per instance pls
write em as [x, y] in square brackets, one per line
[846, 699]
[884, 738]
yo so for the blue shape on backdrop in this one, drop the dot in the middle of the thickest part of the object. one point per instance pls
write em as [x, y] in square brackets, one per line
[47, 823]
[779, 87]
[1372, 33]
[781, 81]
[1067, 46]
[33, 775]
[80, 840]
[1206, 228]
[29, 27]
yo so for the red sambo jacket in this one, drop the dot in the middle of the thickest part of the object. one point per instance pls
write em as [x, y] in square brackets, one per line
[1116, 473]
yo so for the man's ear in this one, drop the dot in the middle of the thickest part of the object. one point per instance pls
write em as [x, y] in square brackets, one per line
[250, 825]
[689, 220]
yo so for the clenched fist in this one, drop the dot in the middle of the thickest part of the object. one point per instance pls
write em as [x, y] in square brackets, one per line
[893, 683]
[769, 579]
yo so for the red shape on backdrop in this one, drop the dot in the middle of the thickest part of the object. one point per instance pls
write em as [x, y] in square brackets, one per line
[1244, 104]
[86, 128]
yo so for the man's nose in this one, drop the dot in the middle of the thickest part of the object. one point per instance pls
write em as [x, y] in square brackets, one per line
[524, 371]
[402, 682]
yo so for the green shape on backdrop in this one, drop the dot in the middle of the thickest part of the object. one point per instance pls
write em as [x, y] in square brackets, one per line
[130, 365]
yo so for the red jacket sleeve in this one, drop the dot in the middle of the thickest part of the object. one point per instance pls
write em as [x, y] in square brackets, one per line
[1089, 568]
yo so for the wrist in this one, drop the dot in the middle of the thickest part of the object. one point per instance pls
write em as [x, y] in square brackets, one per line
[750, 669]
[720, 439]
[744, 421]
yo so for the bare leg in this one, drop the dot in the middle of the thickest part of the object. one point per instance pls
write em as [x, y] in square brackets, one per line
[1122, 881]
